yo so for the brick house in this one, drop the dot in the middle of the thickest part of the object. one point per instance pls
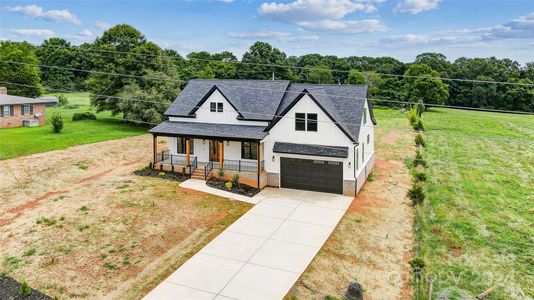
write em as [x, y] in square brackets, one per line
[16, 111]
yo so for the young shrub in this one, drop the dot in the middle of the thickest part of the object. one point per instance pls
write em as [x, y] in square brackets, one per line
[418, 126]
[235, 179]
[416, 194]
[220, 173]
[419, 108]
[419, 176]
[419, 160]
[83, 116]
[228, 185]
[25, 290]
[161, 174]
[57, 122]
[419, 141]
[62, 100]
[412, 116]
[417, 263]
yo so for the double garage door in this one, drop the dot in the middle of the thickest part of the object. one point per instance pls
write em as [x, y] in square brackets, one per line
[311, 175]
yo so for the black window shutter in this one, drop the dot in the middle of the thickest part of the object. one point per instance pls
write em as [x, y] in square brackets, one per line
[22, 110]
[31, 109]
[12, 110]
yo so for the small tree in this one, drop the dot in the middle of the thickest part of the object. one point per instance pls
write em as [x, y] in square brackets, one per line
[419, 141]
[57, 122]
[235, 179]
[62, 100]
[24, 290]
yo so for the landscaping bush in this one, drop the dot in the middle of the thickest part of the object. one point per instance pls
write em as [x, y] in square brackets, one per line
[235, 179]
[57, 122]
[220, 172]
[70, 106]
[419, 141]
[419, 108]
[419, 160]
[62, 100]
[228, 185]
[24, 290]
[83, 116]
[419, 176]
[416, 194]
[412, 116]
[418, 126]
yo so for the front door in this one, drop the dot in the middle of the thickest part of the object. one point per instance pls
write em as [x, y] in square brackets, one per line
[214, 150]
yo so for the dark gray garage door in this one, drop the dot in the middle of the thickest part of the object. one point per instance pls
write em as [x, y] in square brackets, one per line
[312, 175]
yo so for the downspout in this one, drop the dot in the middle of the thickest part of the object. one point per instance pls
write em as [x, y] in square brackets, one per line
[355, 168]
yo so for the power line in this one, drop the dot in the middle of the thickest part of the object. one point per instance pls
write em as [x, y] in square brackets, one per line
[304, 68]
[434, 132]
[265, 89]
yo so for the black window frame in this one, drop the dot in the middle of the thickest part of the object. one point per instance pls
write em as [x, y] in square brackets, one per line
[311, 124]
[220, 107]
[249, 150]
[213, 106]
[181, 145]
[300, 121]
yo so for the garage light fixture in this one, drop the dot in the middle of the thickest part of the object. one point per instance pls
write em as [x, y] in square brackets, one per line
[273, 158]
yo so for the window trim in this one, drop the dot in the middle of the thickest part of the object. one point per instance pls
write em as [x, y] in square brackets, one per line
[314, 122]
[300, 121]
[220, 107]
[182, 146]
[24, 107]
[252, 146]
[213, 106]
[6, 111]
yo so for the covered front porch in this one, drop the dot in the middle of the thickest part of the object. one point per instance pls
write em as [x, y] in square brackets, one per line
[202, 156]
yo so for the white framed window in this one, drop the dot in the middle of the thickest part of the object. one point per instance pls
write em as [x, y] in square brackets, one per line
[6, 109]
[216, 107]
[26, 110]
[305, 122]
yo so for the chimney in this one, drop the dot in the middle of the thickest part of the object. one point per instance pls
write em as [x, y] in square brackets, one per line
[3, 90]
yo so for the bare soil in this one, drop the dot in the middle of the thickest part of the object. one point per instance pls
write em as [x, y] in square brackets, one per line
[373, 242]
[77, 223]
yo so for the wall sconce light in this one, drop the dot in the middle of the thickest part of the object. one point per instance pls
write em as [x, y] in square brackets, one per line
[273, 158]
[349, 164]
[204, 142]
[227, 143]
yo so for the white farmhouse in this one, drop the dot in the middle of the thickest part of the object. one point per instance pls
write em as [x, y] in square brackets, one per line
[273, 133]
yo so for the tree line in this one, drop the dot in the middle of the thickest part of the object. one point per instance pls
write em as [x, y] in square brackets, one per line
[156, 75]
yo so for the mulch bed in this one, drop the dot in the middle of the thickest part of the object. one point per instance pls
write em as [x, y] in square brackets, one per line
[243, 189]
[9, 289]
[156, 173]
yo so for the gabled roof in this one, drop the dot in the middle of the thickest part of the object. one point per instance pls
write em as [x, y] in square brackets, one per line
[268, 100]
[253, 99]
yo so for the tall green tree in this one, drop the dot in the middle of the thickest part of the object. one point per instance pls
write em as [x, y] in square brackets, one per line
[261, 61]
[26, 77]
[151, 81]
[320, 74]
[58, 52]
[423, 83]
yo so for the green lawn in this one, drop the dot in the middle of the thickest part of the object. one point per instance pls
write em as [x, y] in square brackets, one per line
[478, 219]
[22, 141]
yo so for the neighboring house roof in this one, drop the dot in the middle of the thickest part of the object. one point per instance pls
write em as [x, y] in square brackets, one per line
[269, 100]
[210, 130]
[13, 100]
[315, 150]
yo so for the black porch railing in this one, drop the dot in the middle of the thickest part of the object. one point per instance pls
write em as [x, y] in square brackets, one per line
[239, 165]
[165, 157]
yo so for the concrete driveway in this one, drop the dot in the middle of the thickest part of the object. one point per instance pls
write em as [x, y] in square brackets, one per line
[263, 253]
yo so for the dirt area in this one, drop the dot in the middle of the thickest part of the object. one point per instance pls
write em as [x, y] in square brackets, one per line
[76, 223]
[372, 244]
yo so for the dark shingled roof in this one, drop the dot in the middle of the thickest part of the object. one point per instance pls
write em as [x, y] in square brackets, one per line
[210, 130]
[253, 99]
[315, 150]
[265, 100]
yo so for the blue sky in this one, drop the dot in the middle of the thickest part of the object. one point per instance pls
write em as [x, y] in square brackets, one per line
[397, 28]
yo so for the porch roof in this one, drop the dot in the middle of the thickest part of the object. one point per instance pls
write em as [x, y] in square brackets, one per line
[308, 149]
[209, 130]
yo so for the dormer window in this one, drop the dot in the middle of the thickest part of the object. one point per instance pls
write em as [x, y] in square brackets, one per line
[305, 122]
[216, 107]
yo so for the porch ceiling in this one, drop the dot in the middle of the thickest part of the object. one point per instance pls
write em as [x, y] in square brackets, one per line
[210, 131]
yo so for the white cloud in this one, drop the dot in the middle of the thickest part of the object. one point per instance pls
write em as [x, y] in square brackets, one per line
[102, 25]
[38, 12]
[43, 33]
[324, 15]
[86, 33]
[272, 35]
[416, 6]
[83, 35]
[415, 39]
[522, 27]
[348, 26]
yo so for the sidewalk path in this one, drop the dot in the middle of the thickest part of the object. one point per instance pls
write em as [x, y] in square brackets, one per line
[263, 253]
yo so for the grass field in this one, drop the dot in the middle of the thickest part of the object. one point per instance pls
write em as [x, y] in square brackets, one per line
[478, 219]
[22, 141]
